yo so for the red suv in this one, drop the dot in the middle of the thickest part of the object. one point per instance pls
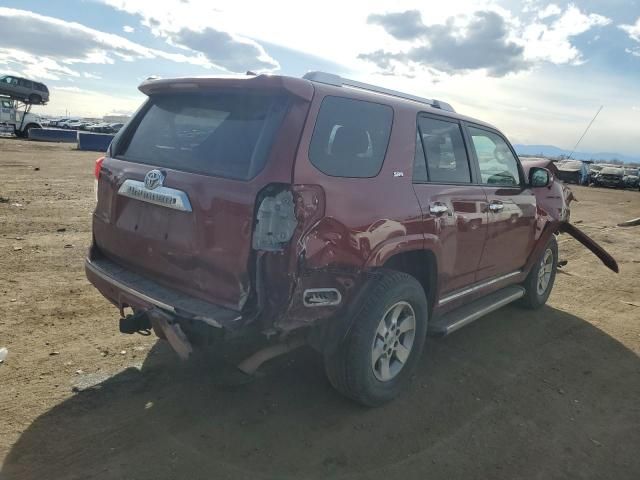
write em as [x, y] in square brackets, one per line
[318, 210]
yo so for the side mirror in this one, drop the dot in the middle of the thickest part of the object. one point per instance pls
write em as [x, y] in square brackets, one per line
[539, 177]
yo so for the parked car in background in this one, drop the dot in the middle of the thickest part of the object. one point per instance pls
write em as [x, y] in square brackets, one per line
[67, 123]
[97, 127]
[55, 123]
[610, 177]
[631, 177]
[319, 210]
[573, 171]
[24, 89]
[594, 171]
[74, 125]
[113, 127]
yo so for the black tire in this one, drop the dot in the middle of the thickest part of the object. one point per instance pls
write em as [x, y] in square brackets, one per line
[25, 130]
[350, 367]
[533, 298]
[35, 98]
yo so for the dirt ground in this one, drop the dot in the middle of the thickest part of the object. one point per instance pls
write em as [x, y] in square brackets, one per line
[518, 394]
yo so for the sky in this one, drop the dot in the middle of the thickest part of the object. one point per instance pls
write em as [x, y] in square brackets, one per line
[537, 69]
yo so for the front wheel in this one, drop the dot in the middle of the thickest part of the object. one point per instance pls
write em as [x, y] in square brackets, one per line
[539, 282]
[381, 351]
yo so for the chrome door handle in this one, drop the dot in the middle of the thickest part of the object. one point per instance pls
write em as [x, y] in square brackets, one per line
[438, 208]
[496, 206]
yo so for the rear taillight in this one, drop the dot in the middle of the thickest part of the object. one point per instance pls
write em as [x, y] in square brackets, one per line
[96, 172]
[281, 210]
[98, 167]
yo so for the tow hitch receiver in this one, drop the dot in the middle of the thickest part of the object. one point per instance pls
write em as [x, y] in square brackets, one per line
[137, 323]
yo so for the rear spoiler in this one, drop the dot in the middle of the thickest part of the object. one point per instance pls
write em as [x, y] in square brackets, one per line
[295, 86]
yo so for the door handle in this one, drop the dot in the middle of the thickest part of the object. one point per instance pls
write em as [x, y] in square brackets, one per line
[438, 208]
[496, 206]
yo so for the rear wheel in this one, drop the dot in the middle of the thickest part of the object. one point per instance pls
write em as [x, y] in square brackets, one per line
[35, 98]
[375, 361]
[539, 282]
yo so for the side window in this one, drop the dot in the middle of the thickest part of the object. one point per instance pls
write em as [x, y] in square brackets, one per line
[498, 166]
[444, 150]
[26, 83]
[350, 137]
[419, 163]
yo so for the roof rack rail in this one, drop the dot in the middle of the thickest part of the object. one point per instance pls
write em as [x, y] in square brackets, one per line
[338, 81]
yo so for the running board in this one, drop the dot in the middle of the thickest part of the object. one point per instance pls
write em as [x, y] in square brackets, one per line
[458, 318]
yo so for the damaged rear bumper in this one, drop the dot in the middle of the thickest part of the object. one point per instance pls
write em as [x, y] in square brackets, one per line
[128, 289]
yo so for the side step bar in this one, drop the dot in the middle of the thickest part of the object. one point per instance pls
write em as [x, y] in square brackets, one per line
[466, 314]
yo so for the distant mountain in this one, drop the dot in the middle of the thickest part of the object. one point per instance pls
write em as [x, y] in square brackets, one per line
[552, 151]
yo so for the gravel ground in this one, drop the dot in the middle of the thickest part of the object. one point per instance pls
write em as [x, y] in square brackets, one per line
[518, 394]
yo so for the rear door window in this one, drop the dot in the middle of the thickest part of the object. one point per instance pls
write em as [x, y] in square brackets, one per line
[350, 138]
[444, 150]
[227, 134]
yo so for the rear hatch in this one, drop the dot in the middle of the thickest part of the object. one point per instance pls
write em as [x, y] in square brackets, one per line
[178, 188]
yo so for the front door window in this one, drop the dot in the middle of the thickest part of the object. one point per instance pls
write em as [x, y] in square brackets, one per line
[498, 165]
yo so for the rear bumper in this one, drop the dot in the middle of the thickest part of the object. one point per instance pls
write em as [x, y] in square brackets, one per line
[128, 289]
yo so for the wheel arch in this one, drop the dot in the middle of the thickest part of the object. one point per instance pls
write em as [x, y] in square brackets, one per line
[29, 126]
[422, 265]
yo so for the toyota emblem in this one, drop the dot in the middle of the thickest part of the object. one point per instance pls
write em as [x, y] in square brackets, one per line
[153, 179]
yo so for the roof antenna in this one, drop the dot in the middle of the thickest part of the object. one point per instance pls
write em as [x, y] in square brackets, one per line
[585, 132]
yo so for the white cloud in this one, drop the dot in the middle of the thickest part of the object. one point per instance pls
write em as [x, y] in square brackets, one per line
[549, 11]
[90, 103]
[633, 30]
[490, 40]
[481, 42]
[128, 29]
[230, 52]
[552, 42]
[91, 76]
[47, 47]
[67, 89]
[35, 66]
[338, 31]
[634, 34]
[199, 27]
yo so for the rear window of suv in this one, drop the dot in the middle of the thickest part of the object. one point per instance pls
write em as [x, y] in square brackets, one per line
[350, 137]
[227, 134]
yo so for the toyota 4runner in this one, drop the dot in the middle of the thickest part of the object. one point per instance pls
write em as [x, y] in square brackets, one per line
[319, 210]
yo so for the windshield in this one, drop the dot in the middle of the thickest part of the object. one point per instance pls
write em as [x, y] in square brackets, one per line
[226, 134]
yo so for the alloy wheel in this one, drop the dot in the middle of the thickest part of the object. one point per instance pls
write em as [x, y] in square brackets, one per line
[544, 273]
[393, 341]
